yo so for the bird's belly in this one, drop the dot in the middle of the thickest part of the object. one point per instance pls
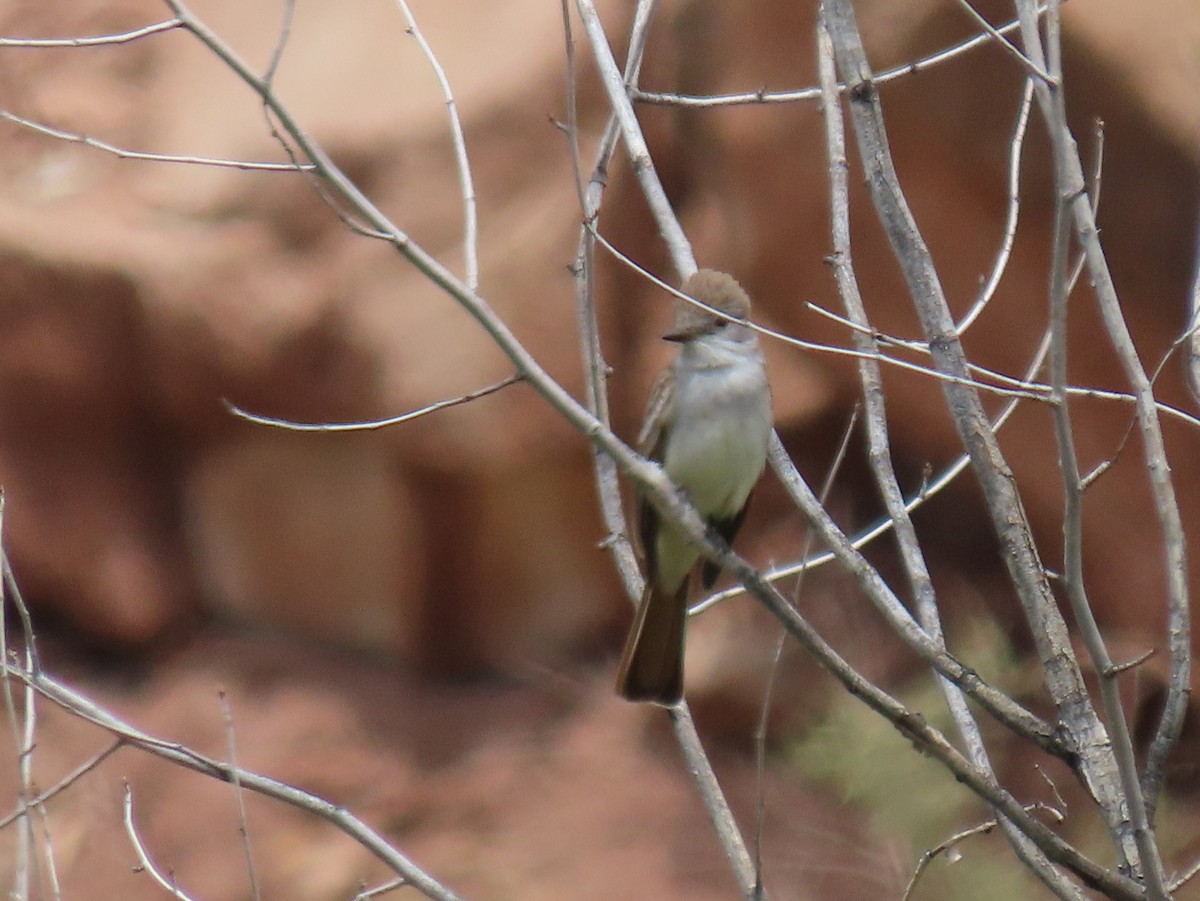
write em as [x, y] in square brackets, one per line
[716, 453]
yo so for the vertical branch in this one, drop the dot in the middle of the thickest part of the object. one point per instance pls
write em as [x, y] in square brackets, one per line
[1047, 626]
[596, 368]
[595, 372]
[1146, 864]
[238, 795]
[1069, 172]
[23, 727]
[635, 143]
[465, 181]
[920, 582]
[1073, 576]
[1191, 342]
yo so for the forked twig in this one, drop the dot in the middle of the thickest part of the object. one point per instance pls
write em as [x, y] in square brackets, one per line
[931, 854]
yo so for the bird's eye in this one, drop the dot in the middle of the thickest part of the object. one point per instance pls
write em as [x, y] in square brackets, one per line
[721, 323]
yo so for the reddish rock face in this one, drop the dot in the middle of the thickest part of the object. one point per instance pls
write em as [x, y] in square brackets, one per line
[136, 298]
[139, 296]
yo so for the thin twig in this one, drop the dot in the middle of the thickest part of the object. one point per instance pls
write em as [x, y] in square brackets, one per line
[1034, 392]
[1191, 356]
[1009, 47]
[380, 890]
[371, 424]
[266, 90]
[85, 708]
[125, 154]
[760, 732]
[103, 40]
[595, 366]
[635, 143]
[43, 818]
[145, 864]
[1118, 669]
[1131, 853]
[23, 728]
[814, 92]
[465, 181]
[1071, 185]
[931, 854]
[1183, 878]
[66, 781]
[236, 782]
[1001, 383]
[1046, 624]
[1011, 216]
[281, 42]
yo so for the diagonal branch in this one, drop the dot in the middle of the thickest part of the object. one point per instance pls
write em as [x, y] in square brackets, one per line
[85, 708]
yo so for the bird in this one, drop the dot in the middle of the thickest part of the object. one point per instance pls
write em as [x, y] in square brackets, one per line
[708, 423]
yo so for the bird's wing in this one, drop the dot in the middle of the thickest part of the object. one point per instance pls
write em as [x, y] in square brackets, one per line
[651, 441]
[727, 529]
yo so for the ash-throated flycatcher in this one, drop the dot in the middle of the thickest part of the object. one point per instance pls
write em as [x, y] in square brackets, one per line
[707, 423]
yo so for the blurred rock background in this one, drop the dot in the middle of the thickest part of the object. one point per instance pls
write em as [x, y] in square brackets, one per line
[418, 622]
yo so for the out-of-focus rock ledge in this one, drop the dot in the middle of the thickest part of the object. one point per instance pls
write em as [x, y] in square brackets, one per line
[135, 297]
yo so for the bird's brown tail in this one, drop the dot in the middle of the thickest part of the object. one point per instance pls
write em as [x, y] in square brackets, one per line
[652, 663]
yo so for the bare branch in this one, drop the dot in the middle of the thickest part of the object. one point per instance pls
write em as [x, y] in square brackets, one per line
[145, 864]
[380, 890]
[1025, 62]
[1046, 624]
[760, 733]
[635, 144]
[1071, 187]
[238, 795]
[1073, 575]
[951, 843]
[103, 40]
[1185, 877]
[466, 183]
[879, 455]
[66, 781]
[1010, 219]
[95, 143]
[86, 709]
[910, 724]
[814, 93]
[372, 424]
